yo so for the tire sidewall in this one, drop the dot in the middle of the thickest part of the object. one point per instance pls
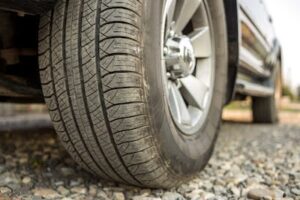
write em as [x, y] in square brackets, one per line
[184, 155]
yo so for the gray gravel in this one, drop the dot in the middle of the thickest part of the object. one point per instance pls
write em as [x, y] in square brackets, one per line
[254, 161]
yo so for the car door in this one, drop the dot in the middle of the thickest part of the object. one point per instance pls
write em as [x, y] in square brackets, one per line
[257, 36]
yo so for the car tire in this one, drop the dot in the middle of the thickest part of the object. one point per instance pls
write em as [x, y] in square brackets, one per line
[101, 74]
[265, 109]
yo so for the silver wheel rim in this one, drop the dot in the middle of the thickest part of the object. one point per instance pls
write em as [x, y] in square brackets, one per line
[188, 60]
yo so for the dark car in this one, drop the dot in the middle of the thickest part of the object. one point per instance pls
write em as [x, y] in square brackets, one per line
[136, 88]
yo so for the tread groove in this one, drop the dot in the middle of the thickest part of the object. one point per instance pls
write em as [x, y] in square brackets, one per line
[84, 92]
[55, 97]
[98, 65]
[72, 109]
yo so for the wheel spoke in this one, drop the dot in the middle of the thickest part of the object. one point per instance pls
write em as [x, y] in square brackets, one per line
[194, 91]
[170, 9]
[201, 42]
[204, 70]
[184, 13]
[178, 106]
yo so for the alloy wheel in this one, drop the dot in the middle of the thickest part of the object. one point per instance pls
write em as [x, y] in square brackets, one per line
[188, 52]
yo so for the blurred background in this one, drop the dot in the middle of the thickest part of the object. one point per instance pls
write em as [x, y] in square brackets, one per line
[286, 18]
[33, 162]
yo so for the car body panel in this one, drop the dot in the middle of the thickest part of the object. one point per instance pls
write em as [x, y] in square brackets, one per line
[257, 35]
[252, 45]
[259, 48]
[258, 14]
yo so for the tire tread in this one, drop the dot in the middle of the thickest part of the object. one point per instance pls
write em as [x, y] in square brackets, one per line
[91, 73]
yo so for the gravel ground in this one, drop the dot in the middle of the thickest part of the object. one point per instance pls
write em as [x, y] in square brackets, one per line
[254, 161]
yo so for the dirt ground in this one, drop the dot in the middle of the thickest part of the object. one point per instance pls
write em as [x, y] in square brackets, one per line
[285, 117]
[240, 112]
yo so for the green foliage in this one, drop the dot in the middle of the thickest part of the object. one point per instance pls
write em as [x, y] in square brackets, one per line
[286, 91]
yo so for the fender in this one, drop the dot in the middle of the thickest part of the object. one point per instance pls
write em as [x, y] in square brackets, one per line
[233, 33]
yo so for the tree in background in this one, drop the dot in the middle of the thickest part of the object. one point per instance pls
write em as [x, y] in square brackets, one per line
[298, 93]
[287, 92]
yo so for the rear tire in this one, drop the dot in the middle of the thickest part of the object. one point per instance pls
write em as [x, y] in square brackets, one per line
[265, 109]
[100, 66]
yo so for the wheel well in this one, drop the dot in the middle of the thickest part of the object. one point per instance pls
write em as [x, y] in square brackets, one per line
[233, 33]
[19, 75]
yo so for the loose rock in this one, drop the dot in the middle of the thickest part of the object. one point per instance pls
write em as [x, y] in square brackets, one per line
[5, 190]
[249, 161]
[45, 193]
[63, 191]
[172, 196]
[26, 180]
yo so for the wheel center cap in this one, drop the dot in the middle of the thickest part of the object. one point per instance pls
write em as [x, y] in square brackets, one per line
[180, 50]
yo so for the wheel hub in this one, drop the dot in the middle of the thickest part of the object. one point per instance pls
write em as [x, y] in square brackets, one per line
[187, 49]
[180, 57]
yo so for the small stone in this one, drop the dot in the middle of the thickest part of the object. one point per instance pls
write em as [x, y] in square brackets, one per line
[209, 196]
[59, 183]
[102, 195]
[14, 186]
[295, 191]
[63, 191]
[220, 182]
[240, 179]
[145, 192]
[74, 183]
[277, 193]
[45, 193]
[284, 179]
[194, 186]
[145, 198]
[208, 186]
[67, 198]
[157, 192]
[23, 160]
[236, 191]
[172, 196]
[184, 189]
[219, 189]
[195, 194]
[9, 177]
[93, 190]
[66, 171]
[26, 180]
[5, 190]
[196, 198]
[118, 196]
[257, 194]
[79, 190]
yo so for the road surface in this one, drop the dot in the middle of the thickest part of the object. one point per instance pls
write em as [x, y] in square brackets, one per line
[250, 160]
